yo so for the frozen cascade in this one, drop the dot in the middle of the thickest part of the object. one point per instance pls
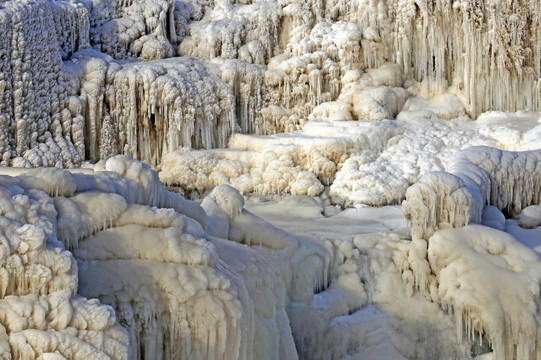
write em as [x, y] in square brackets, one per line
[379, 93]
[40, 122]
[487, 51]
[306, 50]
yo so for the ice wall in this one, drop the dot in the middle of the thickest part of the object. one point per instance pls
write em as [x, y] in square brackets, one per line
[486, 51]
[41, 124]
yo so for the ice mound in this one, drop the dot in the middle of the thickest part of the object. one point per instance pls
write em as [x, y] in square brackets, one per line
[530, 217]
[491, 283]
[40, 311]
[477, 177]
[272, 171]
[178, 290]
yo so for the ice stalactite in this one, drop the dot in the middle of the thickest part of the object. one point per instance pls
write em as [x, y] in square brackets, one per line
[477, 177]
[247, 83]
[297, 84]
[309, 72]
[7, 122]
[72, 26]
[487, 51]
[148, 109]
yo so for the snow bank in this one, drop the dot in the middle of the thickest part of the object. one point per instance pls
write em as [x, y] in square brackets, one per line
[263, 173]
[364, 162]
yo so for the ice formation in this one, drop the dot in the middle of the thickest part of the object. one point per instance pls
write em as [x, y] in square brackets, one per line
[179, 291]
[42, 314]
[440, 259]
[335, 103]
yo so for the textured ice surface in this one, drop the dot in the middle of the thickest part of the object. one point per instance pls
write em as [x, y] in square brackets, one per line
[377, 99]
[178, 291]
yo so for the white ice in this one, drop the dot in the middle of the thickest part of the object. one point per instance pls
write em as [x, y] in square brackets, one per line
[367, 176]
